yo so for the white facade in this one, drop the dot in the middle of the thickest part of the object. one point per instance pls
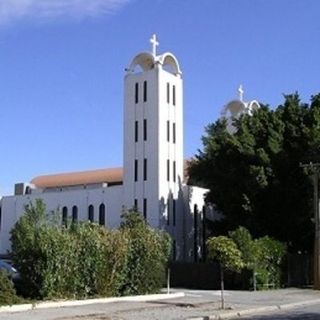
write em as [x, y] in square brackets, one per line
[152, 178]
[153, 146]
[12, 207]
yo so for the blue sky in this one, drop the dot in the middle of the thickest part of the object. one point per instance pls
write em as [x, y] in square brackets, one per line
[62, 66]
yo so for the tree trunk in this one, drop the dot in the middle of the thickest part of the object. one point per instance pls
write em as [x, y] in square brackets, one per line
[222, 285]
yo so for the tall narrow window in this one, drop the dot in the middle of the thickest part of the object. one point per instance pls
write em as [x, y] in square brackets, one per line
[145, 169]
[195, 234]
[204, 233]
[174, 95]
[145, 91]
[74, 214]
[145, 129]
[168, 211]
[174, 170]
[174, 133]
[136, 204]
[174, 205]
[102, 214]
[174, 250]
[64, 216]
[91, 213]
[168, 92]
[136, 93]
[145, 208]
[168, 170]
[168, 130]
[136, 170]
[136, 131]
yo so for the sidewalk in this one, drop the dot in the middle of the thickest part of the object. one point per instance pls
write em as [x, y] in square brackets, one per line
[85, 302]
[242, 303]
[180, 304]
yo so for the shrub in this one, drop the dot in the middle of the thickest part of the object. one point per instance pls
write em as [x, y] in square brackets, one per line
[270, 255]
[25, 250]
[263, 256]
[7, 292]
[147, 255]
[85, 259]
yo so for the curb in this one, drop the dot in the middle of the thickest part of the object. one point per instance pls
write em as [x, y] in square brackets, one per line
[72, 303]
[245, 312]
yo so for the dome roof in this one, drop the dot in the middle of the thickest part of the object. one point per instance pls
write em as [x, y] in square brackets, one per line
[168, 59]
[234, 108]
[146, 61]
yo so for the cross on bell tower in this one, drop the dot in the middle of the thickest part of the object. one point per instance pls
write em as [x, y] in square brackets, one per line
[154, 43]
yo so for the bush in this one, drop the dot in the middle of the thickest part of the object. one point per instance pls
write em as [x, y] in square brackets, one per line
[147, 255]
[85, 259]
[25, 249]
[263, 256]
[7, 292]
[270, 255]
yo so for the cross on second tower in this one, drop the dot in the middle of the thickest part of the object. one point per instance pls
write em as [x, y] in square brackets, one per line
[241, 92]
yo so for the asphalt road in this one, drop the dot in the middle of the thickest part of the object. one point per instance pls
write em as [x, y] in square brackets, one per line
[301, 313]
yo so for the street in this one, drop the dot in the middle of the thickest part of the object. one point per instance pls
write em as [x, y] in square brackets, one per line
[302, 313]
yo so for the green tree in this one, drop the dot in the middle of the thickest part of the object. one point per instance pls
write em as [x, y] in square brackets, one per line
[225, 251]
[254, 176]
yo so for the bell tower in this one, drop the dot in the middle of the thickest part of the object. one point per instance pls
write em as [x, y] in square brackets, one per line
[153, 136]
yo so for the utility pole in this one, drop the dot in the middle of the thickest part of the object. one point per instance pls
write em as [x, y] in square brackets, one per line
[315, 168]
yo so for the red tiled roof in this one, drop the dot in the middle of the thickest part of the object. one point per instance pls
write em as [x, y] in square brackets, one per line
[110, 175]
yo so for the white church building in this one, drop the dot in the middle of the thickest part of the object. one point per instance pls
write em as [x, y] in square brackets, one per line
[153, 174]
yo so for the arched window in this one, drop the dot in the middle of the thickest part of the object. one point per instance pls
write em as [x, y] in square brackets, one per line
[91, 213]
[102, 214]
[64, 216]
[74, 214]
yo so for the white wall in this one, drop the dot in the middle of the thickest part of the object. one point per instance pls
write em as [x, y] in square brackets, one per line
[192, 196]
[13, 207]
